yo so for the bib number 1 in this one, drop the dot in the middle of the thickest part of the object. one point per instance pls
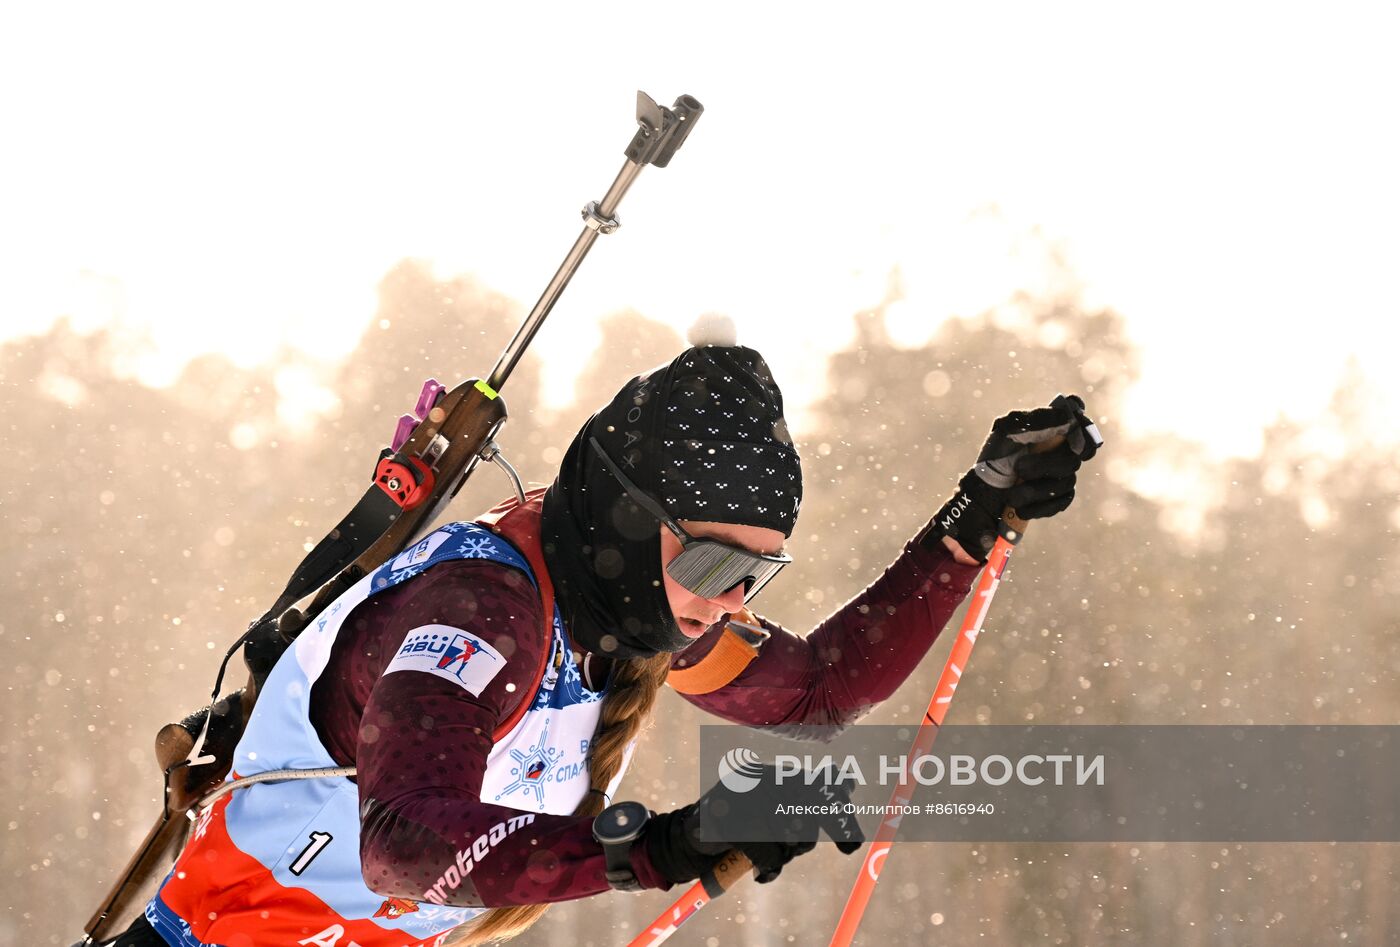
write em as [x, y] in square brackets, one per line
[319, 840]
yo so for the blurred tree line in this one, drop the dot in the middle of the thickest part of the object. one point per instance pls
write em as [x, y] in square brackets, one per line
[146, 527]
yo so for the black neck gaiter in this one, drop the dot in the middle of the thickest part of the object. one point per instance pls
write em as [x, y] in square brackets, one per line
[603, 550]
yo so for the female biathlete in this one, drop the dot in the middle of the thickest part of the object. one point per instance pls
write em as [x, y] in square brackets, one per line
[489, 683]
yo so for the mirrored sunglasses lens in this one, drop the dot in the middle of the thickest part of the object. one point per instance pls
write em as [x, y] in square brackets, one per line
[757, 582]
[709, 570]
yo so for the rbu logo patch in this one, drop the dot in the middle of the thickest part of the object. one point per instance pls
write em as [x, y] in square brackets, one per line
[419, 552]
[449, 653]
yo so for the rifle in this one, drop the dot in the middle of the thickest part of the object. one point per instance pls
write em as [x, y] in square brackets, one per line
[433, 453]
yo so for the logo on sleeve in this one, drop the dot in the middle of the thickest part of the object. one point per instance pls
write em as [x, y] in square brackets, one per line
[449, 653]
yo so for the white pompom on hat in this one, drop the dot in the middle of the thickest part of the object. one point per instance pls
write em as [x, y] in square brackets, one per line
[712, 328]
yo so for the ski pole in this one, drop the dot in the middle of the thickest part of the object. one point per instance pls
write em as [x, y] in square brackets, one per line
[1013, 528]
[727, 873]
[736, 865]
[938, 706]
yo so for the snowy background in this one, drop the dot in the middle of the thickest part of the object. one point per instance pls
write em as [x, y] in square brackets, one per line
[233, 248]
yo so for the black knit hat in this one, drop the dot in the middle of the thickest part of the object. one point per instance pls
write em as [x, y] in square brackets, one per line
[726, 455]
[705, 437]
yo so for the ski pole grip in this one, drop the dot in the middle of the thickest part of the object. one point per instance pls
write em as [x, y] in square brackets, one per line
[1088, 432]
[728, 871]
[1008, 515]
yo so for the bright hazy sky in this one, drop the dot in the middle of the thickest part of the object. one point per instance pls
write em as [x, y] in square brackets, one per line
[233, 177]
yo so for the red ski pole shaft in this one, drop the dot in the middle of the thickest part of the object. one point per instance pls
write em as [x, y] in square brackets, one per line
[735, 866]
[938, 705]
[732, 867]
[704, 891]
[923, 741]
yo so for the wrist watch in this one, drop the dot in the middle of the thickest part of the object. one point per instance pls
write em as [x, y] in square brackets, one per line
[616, 828]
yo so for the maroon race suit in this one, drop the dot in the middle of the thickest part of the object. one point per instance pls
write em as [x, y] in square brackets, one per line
[421, 743]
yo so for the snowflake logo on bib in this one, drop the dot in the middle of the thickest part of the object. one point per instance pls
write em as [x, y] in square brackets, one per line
[479, 548]
[532, 767]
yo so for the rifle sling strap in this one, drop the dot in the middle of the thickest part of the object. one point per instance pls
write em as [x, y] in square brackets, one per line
[362, 526]
[519, 523]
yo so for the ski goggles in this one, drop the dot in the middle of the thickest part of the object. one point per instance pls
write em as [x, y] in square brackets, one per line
[707, 567]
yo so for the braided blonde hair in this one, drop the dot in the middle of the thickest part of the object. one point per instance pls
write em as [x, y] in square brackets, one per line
[625, 713]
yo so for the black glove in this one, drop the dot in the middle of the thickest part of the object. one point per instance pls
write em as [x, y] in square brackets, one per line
[686, 843]
[1007, 474]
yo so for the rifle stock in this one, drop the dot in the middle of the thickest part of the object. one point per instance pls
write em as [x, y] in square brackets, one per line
[136, 883]
[467, 419]
[138, 879]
